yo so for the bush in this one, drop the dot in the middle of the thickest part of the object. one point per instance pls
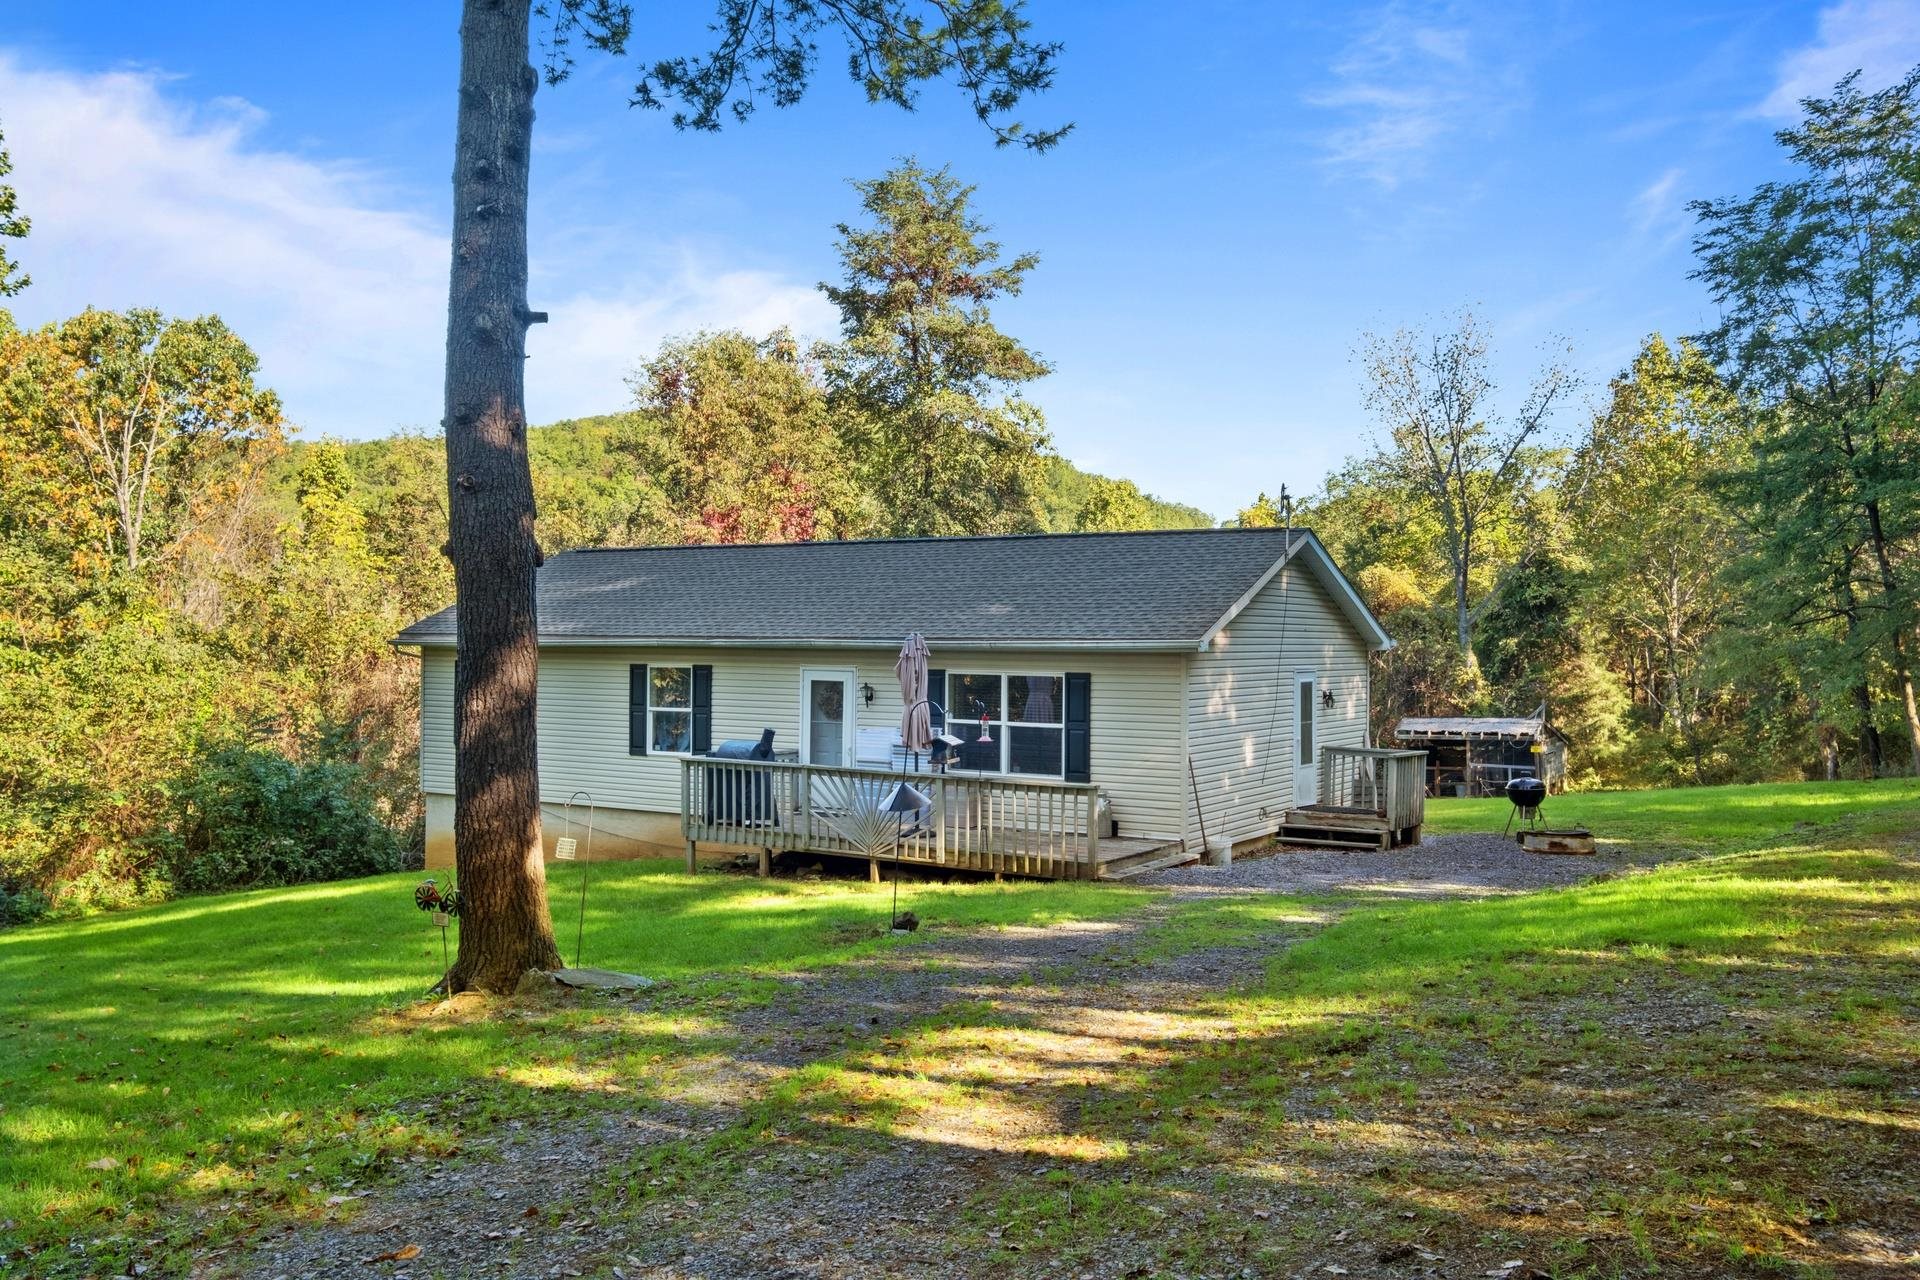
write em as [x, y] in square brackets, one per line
[248, 816]
[21, 905]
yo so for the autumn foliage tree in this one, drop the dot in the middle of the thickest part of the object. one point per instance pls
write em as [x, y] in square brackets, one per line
[738, 443]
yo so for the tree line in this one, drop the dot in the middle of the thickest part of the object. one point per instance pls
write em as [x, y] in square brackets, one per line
[1712, 579]
[1717, 578]
[195, 605]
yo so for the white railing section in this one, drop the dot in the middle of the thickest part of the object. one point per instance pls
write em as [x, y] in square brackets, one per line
[1017, 826]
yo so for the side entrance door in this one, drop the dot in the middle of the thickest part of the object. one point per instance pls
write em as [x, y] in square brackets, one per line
[826, 716]
[1306, 772]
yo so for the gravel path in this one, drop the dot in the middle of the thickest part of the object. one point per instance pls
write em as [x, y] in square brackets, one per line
[514, 1203]
[1463, 865]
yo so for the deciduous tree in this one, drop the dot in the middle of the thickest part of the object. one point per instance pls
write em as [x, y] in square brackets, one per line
[1433, 393]
[739, 445]
[14, 225]
[1656, 539]
[157, 410]
[1114, 506]
[1818, 282]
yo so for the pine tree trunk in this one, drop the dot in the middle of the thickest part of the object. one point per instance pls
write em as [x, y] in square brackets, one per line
[504, 924]
[1870, 757]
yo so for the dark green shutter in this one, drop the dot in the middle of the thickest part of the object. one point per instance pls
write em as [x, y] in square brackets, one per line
[637, 709]
[1079, 741]
[702, 710]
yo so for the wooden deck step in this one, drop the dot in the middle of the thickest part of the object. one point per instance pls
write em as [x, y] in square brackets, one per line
[1320, 837]
[1177, 858]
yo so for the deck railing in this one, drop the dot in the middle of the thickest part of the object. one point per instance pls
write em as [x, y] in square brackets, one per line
[1017, 826]
[1391, 784]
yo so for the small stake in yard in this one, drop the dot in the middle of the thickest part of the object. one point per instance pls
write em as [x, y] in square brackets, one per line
[566, 849]
[443, 907]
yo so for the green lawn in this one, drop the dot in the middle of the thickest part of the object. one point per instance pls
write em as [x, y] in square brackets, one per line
[1699, 1071]
[195, 1071]
[196, 1068]
[1712, 818]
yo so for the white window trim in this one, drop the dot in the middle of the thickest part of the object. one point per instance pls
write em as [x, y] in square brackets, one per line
[1002, 724]
[686, 710]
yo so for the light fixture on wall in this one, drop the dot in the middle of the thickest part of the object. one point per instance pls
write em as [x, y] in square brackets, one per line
[866, 693]
[1326, 699]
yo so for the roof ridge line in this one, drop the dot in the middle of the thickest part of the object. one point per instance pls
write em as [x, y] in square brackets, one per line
[935, 539]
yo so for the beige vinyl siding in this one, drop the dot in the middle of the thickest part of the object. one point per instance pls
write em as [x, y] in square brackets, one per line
[1233, 722]
[1135, 718]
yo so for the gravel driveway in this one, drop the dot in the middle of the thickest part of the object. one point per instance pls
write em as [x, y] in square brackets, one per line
[1083, 985]
[1465, 864]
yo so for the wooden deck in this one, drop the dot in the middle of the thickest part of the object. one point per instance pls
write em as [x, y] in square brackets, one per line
[998, 825]
[1368, 799]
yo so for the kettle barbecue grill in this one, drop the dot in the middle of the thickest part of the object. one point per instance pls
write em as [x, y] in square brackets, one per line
[1527, 795]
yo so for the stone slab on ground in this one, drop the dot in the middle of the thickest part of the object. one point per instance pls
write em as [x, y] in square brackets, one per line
[601, 979]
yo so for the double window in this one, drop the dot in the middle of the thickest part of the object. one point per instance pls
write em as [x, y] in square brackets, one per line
[1024, 716]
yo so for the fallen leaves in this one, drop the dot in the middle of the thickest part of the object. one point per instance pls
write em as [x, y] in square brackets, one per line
[405, 1253]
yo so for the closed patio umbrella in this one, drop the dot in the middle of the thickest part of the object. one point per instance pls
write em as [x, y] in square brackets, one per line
[916, 721]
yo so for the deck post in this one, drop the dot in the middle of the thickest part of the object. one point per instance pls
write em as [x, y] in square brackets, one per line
[1092, 869]
[940, 821]
[873, 871]
[766, 862]
[690, 862]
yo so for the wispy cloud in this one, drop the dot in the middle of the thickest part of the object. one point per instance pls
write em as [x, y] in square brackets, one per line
[336, 274]
[1408, 81]
[1878, 38]
[1658, 212]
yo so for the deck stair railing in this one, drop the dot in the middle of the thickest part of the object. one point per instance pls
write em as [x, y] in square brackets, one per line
[1389, 784]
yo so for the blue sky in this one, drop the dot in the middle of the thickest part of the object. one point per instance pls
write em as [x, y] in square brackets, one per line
[1249, 188]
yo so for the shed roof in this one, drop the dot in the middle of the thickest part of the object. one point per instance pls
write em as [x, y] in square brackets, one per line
[1164, 589]
[1471, 727]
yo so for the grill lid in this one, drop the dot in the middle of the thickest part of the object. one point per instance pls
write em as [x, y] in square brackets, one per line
[1526, 793]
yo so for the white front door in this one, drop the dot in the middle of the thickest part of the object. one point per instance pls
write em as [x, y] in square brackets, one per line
[826, 716]
[1306, 704]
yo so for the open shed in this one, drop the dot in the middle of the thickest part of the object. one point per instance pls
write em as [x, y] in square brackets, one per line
[1479, 755]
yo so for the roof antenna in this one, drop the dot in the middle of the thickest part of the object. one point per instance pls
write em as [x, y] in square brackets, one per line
[1286, 509]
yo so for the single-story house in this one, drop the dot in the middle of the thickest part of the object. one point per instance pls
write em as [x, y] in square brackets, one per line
[1195, 678]
[1479, 755]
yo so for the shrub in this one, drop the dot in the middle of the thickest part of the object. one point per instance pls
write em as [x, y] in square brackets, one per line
[247, 816]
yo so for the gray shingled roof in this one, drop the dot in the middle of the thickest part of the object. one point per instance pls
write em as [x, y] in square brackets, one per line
[1119, 589]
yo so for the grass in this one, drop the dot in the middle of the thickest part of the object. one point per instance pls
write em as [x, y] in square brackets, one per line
[1702, 1070]
[1695, 1071]
[1699, 1071]
[1711, 818]
[191, 1070]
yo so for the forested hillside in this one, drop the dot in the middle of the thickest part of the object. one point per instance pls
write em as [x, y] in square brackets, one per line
[1709, 570]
